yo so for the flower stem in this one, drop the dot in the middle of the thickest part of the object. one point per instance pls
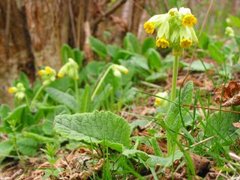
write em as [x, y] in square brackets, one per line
[37, 94]
[76, 89]
[174, 77]
[101, 81]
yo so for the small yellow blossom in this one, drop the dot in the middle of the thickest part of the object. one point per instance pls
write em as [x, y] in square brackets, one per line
[149, 27]
[161, 101]
[18, 91]
[189, 20]
[185, 43]
[48, 70]
[41, 72]
[60, 75]
[162, 42]
[12, 90]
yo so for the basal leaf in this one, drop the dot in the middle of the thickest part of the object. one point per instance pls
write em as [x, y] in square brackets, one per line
[153, 161]
[98, 47]
[105, 128]
[175, 117]
[62, 98]
[5, 149]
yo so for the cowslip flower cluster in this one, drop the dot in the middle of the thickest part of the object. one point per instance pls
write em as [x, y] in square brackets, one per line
[173, 29]
[118, 70]
[18, 91]
[47, 74]
[70, 69]
[229, 31]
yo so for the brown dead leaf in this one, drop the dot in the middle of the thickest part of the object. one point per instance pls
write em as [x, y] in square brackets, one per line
[229, 94]
[202, 165]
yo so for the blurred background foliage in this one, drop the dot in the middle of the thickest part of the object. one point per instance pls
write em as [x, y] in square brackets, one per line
[32, 32]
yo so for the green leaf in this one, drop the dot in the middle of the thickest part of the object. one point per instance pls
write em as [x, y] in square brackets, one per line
[153, 161]
[133, 152]
[216, 53]
[62, 98]
[40, 138]
[156, 77]
[234, 21]
[85, 99]
[78, 56]
[175, 118]
[204, 41]
[140, 62]
[131, 43]
[16, 114]
[66, 52]
[201, 66]
[4, 110]
[27, 146]
[154, 59]
[105, 128]
[148, 43]
[98, 47]
[5, 149]
[220, 125]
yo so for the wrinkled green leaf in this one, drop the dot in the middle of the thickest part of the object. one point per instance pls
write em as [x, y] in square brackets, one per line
[27, 146]
[105, 128]
[175, 119]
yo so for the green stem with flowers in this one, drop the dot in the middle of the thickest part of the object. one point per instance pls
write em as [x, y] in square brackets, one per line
[174, 77]
[101, 81]
[37, 94]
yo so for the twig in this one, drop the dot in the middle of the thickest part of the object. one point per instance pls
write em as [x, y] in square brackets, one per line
[234, 156]
[107, 13]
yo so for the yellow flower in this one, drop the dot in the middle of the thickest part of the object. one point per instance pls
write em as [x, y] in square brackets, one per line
[162, 42]
[60, 75]
[41, 72]
[185, 43]
[161, 101]
[149, 27]
[12, 90]
[49, 70]
[189, 20]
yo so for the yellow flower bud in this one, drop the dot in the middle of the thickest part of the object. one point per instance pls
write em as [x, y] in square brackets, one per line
[12, 90]
[162, 42]
[185, 43]
[189, 20]
[149, 27]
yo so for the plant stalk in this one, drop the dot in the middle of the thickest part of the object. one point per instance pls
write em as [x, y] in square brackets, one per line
[174, 78]
[100, 82]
